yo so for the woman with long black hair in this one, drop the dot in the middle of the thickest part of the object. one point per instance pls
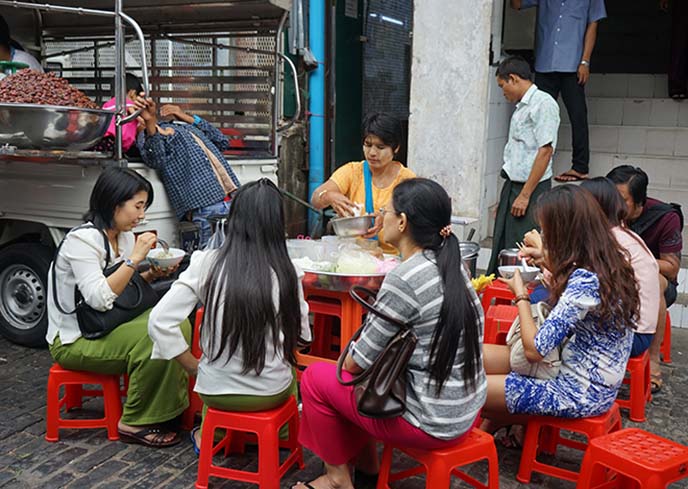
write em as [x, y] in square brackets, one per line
[446, 384]
[157, 390]
[255, 312]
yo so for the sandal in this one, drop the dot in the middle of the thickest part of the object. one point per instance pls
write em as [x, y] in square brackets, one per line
[158, 440]
[656, 383]
[306, 484]
[196, 448]
[512, 436]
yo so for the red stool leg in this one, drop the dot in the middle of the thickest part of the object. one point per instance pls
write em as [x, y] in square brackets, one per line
[113, 406]
[666, 343]
[268, 457]
[385, 467]
[52, 409]
[529, 452]
[438, 474]
[74, 394]
[205, 459]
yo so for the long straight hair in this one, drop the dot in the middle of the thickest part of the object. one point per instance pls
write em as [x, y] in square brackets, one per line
[241, 281]
[576, 234]
[428, 210]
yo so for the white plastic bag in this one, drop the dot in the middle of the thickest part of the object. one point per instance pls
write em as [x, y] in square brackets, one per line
[218, 238]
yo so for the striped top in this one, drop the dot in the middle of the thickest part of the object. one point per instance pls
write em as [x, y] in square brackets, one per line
[413, 293]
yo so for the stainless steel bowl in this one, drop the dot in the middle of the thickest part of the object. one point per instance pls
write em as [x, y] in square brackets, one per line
[341, 281]
[32, 126]
[347, 227]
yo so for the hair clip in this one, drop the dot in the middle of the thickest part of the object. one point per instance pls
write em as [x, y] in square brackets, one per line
[446, 231]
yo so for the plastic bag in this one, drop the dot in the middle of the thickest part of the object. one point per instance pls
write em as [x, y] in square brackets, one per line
[218, 238]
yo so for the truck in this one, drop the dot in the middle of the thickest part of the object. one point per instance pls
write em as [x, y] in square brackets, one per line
[223, 61]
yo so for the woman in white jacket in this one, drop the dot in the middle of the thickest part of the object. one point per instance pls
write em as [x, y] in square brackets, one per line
[255, 311]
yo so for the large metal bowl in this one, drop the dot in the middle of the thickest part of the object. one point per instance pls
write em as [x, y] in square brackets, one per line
[348, 227]
[341, 281]
[32, 126]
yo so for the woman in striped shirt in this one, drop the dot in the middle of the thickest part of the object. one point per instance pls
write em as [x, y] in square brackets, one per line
[446, 384]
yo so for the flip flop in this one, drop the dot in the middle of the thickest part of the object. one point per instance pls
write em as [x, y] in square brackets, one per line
[139, 437]
[307, 484]
[656, 384]
[196, 448]
[570, 177]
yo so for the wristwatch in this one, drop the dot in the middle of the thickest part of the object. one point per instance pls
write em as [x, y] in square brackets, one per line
[130, 264]
[586, 63]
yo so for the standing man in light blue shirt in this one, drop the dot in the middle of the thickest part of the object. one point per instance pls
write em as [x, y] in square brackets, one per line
[565, 37]
[527, 168]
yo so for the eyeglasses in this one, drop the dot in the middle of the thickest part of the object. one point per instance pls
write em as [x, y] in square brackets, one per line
[383, 211]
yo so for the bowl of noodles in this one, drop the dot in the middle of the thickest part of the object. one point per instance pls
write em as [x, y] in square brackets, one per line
[162, 258]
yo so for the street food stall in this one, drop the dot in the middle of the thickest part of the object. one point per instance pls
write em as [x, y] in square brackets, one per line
[221, 60]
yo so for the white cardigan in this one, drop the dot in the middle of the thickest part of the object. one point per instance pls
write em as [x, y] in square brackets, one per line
[224, 375]
[81, 262]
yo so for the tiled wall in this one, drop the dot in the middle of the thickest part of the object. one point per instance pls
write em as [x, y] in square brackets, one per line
[497, 131]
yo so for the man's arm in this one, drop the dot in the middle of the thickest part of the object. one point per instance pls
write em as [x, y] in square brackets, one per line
[520, 205]
[669, 265]
[212, 133]
[588, 46]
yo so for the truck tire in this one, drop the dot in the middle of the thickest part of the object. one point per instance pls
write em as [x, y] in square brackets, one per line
[24, 293]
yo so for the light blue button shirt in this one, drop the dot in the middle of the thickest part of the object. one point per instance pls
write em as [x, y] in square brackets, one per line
[561, 26]
[534, 124]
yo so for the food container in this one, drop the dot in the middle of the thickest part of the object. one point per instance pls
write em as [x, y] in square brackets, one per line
[306, 248]
[509, 256]
[528, 274]
[342, 282]
[469, 255]
[160, 258]
[346, 227]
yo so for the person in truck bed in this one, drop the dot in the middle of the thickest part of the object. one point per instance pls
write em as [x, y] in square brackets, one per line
[197, 177]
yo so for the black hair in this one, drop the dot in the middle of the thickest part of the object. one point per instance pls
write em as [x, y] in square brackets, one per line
[131, 82]
[635, 178]
[384, 126]
[239, 297]
[604, 191]
[5, 37]
[428, 210]
[113, 188]
[514, 65]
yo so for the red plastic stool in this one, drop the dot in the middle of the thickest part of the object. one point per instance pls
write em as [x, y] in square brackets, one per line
[638, 457]
[543, 435]
[440, 465]
[266, 426]
[665, 348]
[498, 320]
[73, 380]
[324, 310]
[195, 403]
[498, 291]
[639, 380]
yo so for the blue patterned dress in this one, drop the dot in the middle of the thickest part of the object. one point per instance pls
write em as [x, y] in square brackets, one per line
[593, 361]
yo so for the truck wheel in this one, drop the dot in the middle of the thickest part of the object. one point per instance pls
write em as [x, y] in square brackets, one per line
[24, 293]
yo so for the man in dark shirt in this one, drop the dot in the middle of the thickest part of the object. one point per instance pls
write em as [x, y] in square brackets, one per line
[660, 225]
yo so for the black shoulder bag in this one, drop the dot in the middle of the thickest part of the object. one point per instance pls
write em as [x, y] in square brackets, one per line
[381, 389]
[138, 296]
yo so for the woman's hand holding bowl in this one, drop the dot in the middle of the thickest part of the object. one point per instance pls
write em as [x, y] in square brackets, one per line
[341, 204]
[515, 283]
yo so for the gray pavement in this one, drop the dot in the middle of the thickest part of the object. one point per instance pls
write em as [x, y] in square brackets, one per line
[85, 458]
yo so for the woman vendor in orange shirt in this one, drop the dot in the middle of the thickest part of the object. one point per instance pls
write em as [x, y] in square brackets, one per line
[359, 182]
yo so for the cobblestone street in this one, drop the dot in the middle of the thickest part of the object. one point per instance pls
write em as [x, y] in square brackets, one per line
[85, 458]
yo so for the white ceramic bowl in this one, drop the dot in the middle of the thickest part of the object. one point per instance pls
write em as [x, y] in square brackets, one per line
[158, 258]
[528, 275]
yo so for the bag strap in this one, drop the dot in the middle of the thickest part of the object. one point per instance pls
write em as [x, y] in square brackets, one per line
[405, 329]
[368, 184]
[57, 254]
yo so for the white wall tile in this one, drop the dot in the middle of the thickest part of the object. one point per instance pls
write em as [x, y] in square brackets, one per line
[564, 114]
[632, 140]
[641, 85]
[604, 138]
[681, 145]
[607, 111]
[564, 140]
[682, 114]
[676, 312]
[594, 86]
[664, 113]
[615, 85]
[660, 141]
[636, 112]
[561, 162]
[661, 86]
[495, 155]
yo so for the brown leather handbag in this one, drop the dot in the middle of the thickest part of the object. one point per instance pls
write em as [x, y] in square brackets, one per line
[380, 390]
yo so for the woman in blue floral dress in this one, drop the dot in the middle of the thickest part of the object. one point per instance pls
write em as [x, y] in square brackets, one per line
[594, 301]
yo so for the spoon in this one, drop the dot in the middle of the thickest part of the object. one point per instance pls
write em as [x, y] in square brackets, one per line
[164, 245]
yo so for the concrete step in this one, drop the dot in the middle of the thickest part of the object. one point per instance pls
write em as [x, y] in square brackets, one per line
[624, 85]
[647, 112]
[638, 140]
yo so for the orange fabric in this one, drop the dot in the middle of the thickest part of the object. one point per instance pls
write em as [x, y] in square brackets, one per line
[349, 179]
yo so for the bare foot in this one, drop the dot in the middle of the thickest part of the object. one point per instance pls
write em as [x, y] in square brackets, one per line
[324, 482]
[571, 176]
